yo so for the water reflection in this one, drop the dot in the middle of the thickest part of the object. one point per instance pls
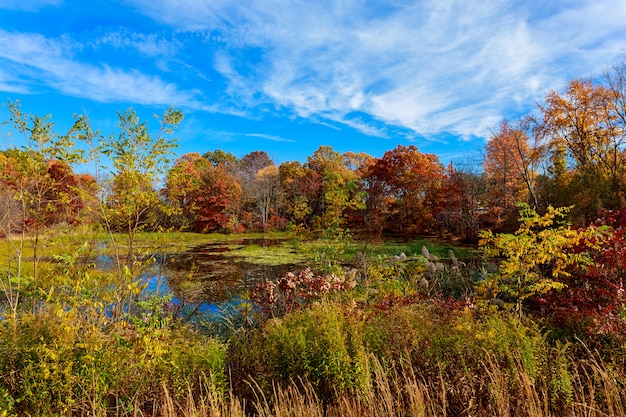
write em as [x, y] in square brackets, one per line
[202, 280]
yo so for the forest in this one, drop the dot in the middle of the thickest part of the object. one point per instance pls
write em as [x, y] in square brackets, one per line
[484, 287]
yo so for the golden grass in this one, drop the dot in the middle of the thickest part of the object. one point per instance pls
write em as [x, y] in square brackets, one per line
[404, 393]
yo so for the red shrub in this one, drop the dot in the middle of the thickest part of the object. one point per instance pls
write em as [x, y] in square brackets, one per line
[594, 301]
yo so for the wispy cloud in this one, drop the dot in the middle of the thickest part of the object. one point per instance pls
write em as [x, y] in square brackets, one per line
[450, 65]
[273, 138]
[52, 63]
[149, 45]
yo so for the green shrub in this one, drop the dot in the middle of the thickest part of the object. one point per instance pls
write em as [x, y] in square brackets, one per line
[320, 345]
[448, 336]
[440, 341]
[77, 361]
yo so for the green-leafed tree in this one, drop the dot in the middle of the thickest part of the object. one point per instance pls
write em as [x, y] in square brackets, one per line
[138, 161]
[298, 188]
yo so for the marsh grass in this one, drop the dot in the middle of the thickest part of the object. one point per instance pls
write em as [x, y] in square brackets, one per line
[329, 360]
[409, 248]
[289, 251]
[403, 392]
[423, 360]
[55, 242]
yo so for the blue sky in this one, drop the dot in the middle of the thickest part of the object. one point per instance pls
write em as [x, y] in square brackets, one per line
[288, 76]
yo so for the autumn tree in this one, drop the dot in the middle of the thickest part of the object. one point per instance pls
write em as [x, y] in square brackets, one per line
[592, 303]
[205, 197]
[39, 178]
[267, 193]
[533, 261]
[404, 191]
[182, 186]
[254, 187]
[254, 162]
[299, 187]
[339, 190]
[378, 199]
[585, 121]
[511, 169]
[218, 201]
[10, 208]
[555, 183]
[353, 161]
[220, 157]
[464, 194]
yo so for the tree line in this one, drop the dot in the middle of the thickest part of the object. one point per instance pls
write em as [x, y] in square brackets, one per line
[569, 153]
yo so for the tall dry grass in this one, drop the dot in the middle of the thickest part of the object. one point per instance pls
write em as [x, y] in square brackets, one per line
[596, 393]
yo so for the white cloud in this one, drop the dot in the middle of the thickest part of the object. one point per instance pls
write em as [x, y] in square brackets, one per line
[185, 14]
[51, 63]
[11, 83]
[450, 65]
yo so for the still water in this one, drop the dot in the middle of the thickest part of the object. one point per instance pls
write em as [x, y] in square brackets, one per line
[207, 277]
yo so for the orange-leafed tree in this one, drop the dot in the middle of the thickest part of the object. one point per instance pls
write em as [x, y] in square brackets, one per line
[404, 190]
[511, 167]
[182, 186]
[587, 122]
[70, 194]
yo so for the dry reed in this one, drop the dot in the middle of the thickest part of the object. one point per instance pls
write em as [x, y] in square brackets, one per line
[494, 391]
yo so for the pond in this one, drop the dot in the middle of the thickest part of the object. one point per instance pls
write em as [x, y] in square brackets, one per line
[208, 276]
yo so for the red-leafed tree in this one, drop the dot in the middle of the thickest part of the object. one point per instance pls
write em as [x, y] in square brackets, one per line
[404, 191]
[205, 196]
[49, 192]
[70, 194]
[217, 201]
